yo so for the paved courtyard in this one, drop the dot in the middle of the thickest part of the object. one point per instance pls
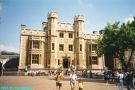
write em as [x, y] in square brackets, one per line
[47, 83]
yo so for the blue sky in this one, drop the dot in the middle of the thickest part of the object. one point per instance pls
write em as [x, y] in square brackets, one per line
[97, 13]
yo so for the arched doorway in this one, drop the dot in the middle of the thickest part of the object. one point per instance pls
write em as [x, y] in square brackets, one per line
[65, 63]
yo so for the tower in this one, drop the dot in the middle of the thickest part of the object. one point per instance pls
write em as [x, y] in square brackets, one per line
[79, 41]
[23, 48]
[52, 39]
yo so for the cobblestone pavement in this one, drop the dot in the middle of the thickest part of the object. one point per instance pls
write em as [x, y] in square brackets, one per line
[47, 83]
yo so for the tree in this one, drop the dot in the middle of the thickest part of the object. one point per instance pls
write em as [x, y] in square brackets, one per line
[116, 40]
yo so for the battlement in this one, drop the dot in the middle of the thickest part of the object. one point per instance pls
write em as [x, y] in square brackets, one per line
[23, 26]
[52, 15]
[30, 32]
[79, 18]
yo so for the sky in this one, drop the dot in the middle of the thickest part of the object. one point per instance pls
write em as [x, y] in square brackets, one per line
[97, 13]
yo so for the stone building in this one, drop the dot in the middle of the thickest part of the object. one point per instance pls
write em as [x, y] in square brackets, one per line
[59, 44]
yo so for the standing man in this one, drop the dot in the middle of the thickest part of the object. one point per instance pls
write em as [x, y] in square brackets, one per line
[129, 79]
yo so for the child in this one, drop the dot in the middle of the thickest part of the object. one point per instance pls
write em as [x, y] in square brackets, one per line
[80, 84]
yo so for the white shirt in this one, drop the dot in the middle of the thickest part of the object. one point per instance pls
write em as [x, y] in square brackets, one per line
[121, 76]
[73, 78]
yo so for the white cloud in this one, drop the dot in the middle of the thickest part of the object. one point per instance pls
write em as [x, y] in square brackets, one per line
[130, 19]
[8, 48]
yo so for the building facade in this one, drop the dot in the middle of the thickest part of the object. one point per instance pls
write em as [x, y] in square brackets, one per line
[59, 44]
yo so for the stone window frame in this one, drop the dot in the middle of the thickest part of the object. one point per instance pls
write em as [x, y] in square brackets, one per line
[93, 60]
[35, 58]
[61, 47]
[36, 44]
[53, 46]
[94, 47]
[70, 35]
[61, 35]
[80, 47]
[70, 47]
[58, 61]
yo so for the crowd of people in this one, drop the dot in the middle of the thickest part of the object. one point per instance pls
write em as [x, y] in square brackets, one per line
[120, 78]
[73, 79]
[117, 77]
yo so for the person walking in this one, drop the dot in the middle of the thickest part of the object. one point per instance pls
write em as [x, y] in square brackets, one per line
[120, 80]
[73, 78]
[59, 77]
[129, 79]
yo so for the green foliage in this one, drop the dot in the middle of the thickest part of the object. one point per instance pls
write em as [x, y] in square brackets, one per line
[117, 39]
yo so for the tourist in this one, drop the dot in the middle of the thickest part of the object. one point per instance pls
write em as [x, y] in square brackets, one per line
[129, 79]
[116, 74]
[26, 70]
[106, 76]
[113, 76]
[80, 84]
[120, 80]
[59, 77]
[73, 78]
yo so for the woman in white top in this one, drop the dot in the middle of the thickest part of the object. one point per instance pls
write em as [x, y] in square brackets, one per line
[73, 78]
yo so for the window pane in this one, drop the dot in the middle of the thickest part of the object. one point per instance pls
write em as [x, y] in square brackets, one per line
[80, 47]
[52, 46]
[70, 35]
[70, 47]
[35, 59]
[36, 44]
[94, 47]
[93, 60]
[61, 47]
[58, 62]
[61, 35]
[89, 47]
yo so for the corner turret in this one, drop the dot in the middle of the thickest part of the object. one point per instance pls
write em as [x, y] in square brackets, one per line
[52, 15]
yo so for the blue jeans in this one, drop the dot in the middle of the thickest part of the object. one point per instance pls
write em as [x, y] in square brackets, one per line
[120, 85]
[129, 86]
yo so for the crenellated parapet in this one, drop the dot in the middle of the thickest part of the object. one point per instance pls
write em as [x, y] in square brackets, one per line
[52, 15]
[79, 18]
[31, 31]
[23, 26]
